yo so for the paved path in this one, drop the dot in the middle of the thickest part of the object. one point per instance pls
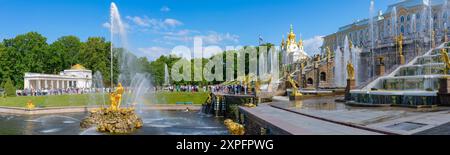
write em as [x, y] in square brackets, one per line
[403, 121]
[302, 125]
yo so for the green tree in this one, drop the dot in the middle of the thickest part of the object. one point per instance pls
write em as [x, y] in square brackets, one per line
[65, 51]
[10, 90]
[24, 53]
[95, 55]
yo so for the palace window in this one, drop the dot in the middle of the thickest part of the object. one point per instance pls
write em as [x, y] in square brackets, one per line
[402, 29]
[323, 76]
[402, 19]
[310, 81]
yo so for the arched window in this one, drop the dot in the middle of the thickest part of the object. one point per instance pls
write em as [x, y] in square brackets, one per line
[402, 29]
[310, 81]
[402, 19]
[323, 76]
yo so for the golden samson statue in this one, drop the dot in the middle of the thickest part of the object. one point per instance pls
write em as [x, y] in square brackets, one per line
[116, 98]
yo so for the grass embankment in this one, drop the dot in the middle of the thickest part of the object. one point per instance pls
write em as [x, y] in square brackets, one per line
[174, 97]
[97, 99]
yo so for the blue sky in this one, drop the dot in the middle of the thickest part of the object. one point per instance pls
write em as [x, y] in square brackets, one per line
[155, 26]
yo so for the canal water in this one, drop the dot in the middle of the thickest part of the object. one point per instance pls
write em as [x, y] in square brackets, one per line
[155, 123]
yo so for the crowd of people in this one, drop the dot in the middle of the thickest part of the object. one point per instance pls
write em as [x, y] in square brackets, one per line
[236, 89]
[187, 88]
[68, 91]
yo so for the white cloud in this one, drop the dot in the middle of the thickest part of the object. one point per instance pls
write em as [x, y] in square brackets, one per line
[153, 23]
[219, 38]
[165, 9]
[154, 52]
[172, 22]
[144, 22]
[312, 45]
[106, 25]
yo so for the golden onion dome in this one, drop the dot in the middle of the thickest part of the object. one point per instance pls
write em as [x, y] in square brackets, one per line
[78, 67]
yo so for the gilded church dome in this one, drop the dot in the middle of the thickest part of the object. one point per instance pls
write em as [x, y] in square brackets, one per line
[78, 67]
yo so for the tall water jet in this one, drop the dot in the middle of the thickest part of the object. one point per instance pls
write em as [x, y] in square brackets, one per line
[339, 66]
[97, 97]
[262, 64]
[166, 75]
[444, 15]
[116, 27]
[372, 37]
[394, 19]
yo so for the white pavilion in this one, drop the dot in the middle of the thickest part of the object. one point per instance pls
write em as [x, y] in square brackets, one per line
[76, 77]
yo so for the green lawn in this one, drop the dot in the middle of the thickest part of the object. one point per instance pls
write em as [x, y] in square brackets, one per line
[173, 98]
[97, 99]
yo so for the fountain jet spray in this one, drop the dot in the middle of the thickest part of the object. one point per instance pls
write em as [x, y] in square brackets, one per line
[116, 26]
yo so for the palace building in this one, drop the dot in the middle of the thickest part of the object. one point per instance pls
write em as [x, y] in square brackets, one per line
[76, 77]
[421, 23]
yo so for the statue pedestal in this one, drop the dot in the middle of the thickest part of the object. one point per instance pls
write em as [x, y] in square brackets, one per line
[444, 91]
[402, 60]
[351, 84]
[380, 70]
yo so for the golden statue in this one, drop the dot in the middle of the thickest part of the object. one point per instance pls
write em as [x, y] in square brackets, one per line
[234, 128]
[400, 44]
[30, 105]
[258, 87]
[116, 98]
[350, 71]
[295, 91]
[445, 59]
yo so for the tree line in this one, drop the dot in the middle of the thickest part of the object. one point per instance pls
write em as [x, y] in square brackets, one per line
[30, 52]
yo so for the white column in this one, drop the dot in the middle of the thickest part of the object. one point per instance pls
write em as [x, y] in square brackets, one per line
[67, 84]
[57, 84]
[38, 84]
[26, 83]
